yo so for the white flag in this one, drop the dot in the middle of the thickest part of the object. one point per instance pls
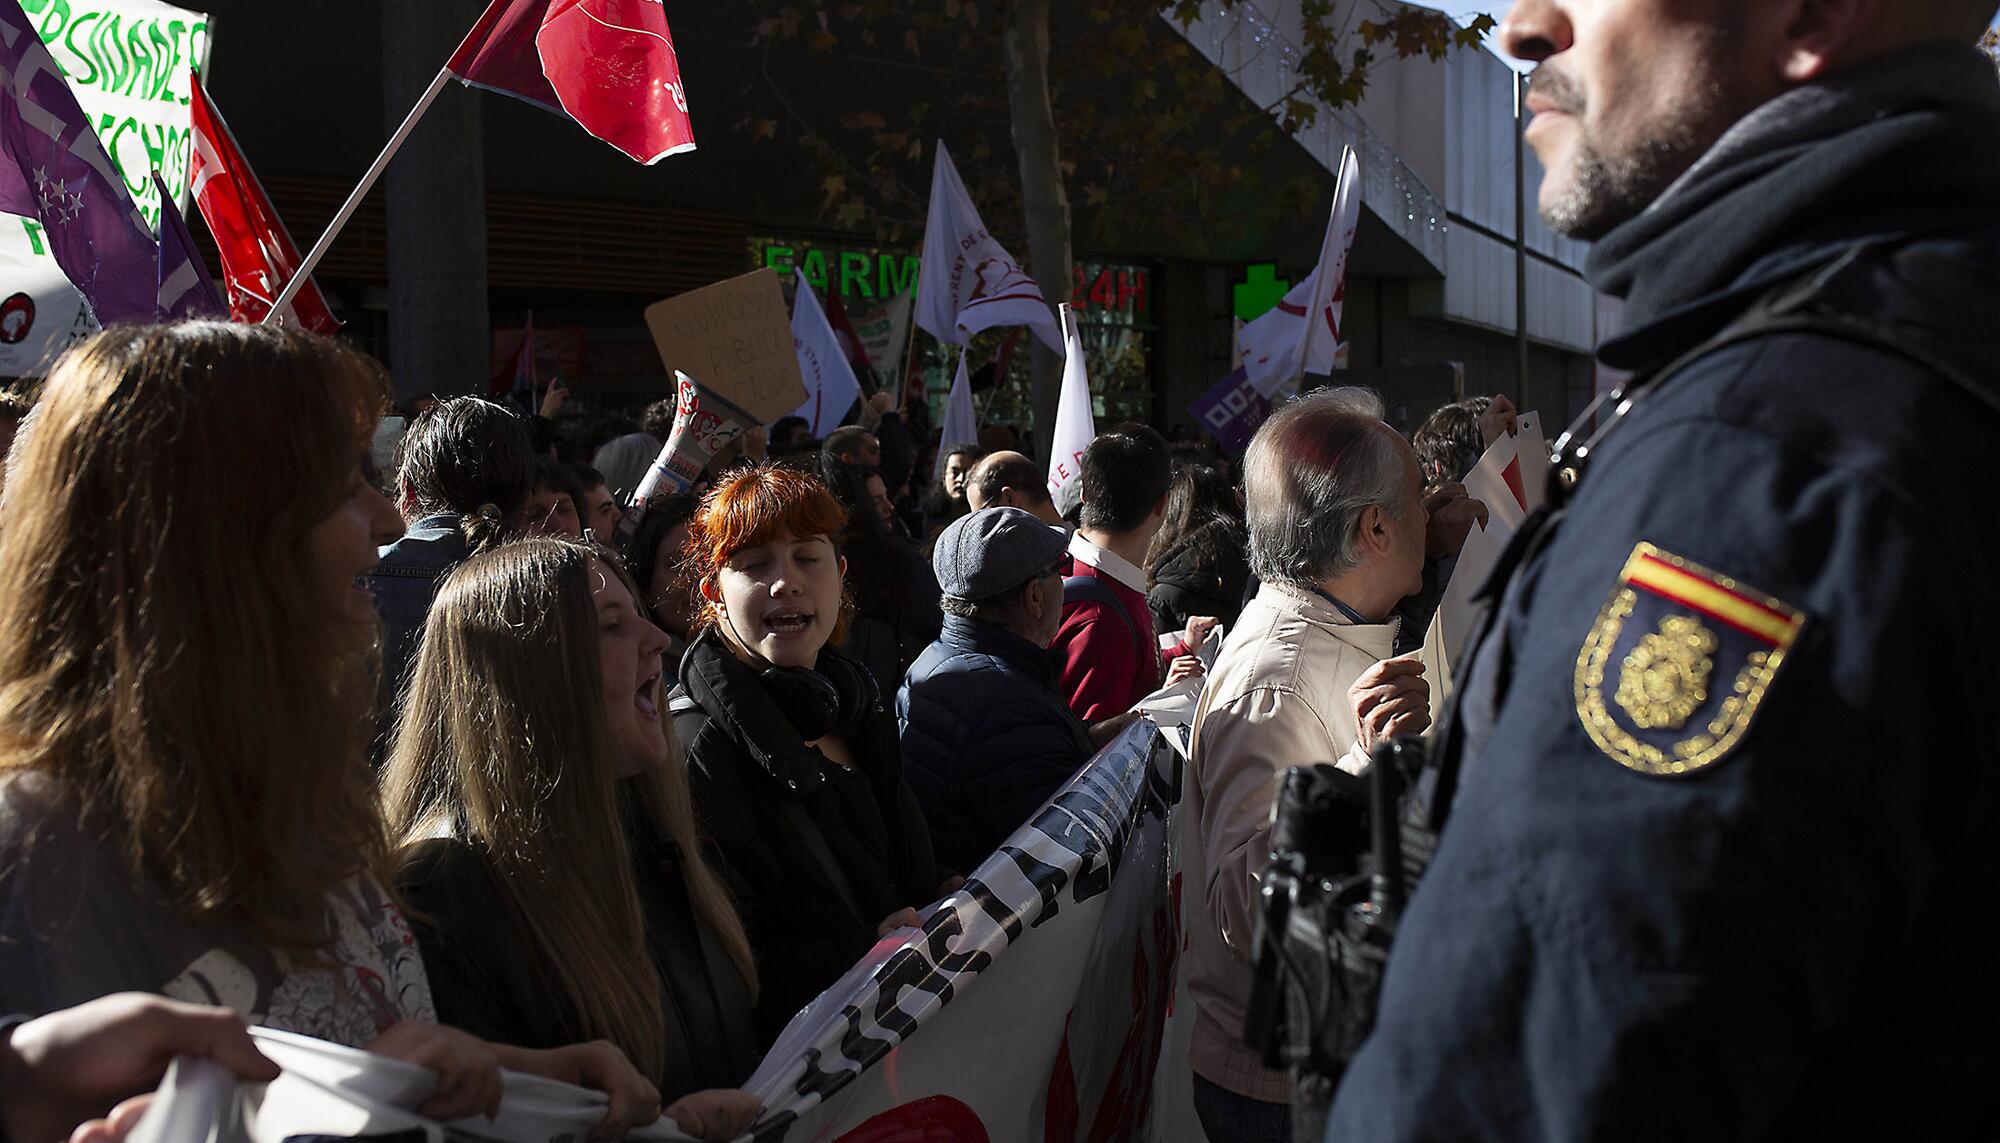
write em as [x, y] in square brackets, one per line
[830, 384]
[1075, 427]
[884, 333]
[1282, 344]
[967, 282]
[961, 427]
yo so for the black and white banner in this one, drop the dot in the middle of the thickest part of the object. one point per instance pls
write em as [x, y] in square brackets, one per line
[1034, 1004]
[1041, 1001]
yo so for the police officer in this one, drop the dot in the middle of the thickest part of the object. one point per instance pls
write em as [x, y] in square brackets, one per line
[1720, 854]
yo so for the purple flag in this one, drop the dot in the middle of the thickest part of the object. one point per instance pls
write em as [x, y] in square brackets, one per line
[1231, 411]
[186, 290]
[53, 168]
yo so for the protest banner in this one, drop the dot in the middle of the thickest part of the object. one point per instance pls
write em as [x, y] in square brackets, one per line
[735, 338]
[127, 63]
[1037, 999]
[884, 333]
[130, 64]
[1231, 411]
[1045, 999]
[328, 1091]
[41, 314]
[1511, 479]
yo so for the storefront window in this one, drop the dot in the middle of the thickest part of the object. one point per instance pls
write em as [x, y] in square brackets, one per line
[1113, 302]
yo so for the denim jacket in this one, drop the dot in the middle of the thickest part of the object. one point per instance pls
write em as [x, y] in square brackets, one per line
[405, 582]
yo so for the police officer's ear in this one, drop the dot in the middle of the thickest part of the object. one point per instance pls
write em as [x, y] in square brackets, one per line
[1805, 40]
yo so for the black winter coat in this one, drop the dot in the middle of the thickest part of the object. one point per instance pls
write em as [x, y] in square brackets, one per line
[816, 855]
[986, 735]
[1206, 573]
[487, 978]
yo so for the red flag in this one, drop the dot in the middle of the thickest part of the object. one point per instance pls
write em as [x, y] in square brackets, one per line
[258, 256]
[499, 54]
[608, 64]
[518, 378]
[843, 332]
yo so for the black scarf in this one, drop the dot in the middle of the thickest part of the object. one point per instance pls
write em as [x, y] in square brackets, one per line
[1904, 144]
[771, 713]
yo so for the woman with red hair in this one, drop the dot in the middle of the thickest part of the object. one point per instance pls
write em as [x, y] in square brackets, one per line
[791, 752]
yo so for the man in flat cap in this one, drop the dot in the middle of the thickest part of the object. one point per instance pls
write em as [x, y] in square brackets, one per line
[987, 736]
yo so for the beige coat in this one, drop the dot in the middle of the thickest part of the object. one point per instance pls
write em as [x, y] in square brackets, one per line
[1276, 698]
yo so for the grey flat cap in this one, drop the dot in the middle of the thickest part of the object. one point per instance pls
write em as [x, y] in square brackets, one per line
[983, 553]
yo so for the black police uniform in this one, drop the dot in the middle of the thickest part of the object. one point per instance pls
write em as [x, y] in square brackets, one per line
[1722, 853]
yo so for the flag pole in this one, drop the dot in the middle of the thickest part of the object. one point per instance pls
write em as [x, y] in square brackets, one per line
[909, 348]
[347, 208]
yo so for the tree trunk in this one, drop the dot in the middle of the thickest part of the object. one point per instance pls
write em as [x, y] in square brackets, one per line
[1043, 200]
[440, 338]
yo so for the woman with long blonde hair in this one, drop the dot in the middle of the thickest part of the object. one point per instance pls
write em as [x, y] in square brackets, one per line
[548, 846]
[186, 666]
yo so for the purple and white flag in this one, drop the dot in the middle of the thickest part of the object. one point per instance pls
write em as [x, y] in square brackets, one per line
[186, 291]
[54, 169]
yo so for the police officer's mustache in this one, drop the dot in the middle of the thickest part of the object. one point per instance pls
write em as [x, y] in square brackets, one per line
[1555, 90]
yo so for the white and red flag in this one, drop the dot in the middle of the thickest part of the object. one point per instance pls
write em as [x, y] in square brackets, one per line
[608, 64]
[968, 282]
[1076, 426]
[258, 257]
[1282, 344]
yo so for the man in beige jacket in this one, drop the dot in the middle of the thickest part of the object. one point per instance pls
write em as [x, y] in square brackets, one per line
[1337, 534]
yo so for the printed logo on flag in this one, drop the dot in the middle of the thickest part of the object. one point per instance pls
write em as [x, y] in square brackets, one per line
[1231, 411]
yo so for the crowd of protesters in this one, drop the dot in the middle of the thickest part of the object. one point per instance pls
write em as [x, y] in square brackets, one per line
[478, 768]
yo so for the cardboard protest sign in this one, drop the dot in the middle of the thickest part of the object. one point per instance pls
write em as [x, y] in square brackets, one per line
[735, 338]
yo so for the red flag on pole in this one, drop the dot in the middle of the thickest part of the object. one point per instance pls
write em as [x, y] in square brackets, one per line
[608, 64]
[850, 341]
[517, 378]
[258, 257]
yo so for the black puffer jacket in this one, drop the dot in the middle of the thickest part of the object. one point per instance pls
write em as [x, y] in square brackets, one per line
[817, 855]
[1203, 574]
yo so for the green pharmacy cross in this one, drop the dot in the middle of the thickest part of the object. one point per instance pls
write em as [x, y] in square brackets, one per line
[1260, 289]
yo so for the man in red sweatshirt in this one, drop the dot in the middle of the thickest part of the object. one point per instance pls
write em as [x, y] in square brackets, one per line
[1110, 659]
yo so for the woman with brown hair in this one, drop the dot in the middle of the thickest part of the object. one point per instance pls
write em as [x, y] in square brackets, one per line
[794, 759]
[548, 845]
[186, 669]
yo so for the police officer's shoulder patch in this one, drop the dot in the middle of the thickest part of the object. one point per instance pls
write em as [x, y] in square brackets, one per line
[1678, 664]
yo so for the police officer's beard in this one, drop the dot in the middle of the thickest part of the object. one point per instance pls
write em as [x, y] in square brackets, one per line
[1606, 188]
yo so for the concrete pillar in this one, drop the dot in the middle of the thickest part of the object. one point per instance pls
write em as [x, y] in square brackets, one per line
[439, 333]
